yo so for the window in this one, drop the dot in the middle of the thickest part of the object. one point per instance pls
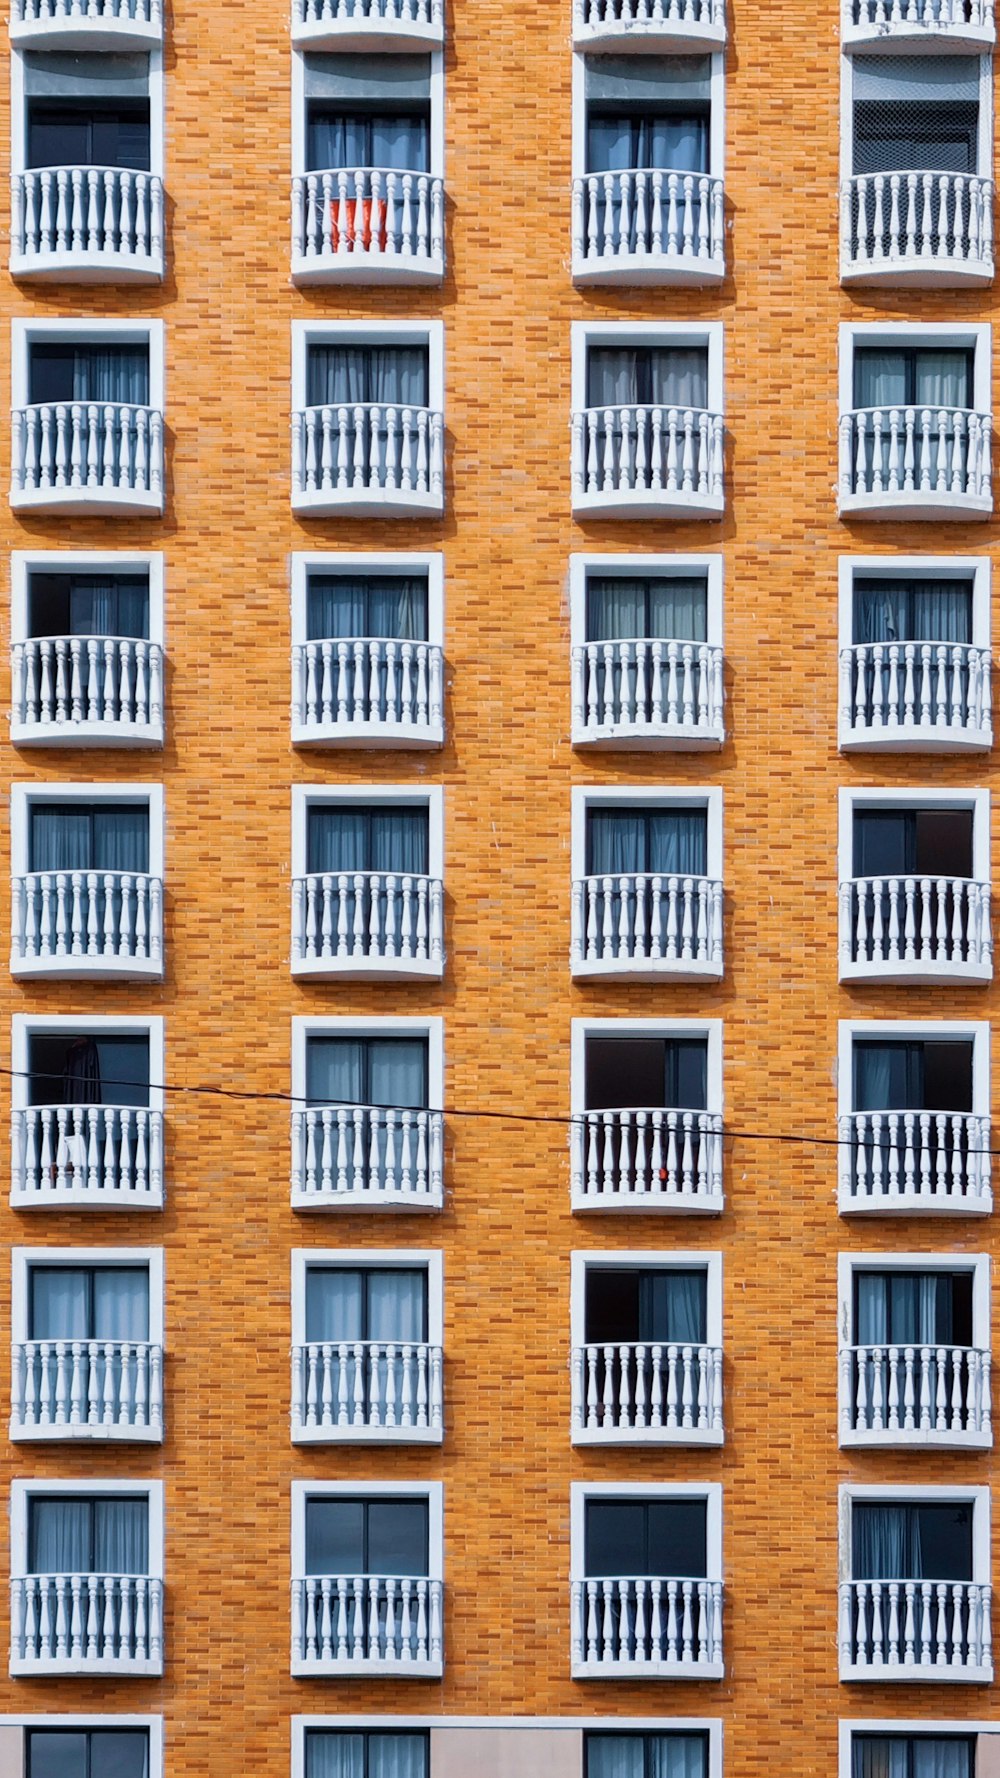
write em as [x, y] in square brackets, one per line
[368, 866]
[68, 1067]
[929, 1075]
[648, 1071]
[646, 1755]
[87, 1753]
[916, 114]
[660, 1304]
[113, 362]
[913, 1756]
[68, 836]
[87, 110]
[370, 1537]
[647, 881]
[360, 114]
[374, 1085]
[77, 1534]
[648, 114]
[366, 1303]
[907, 833]
[359, 1753]
[78, 604]
[389, 838]
[88, 1302]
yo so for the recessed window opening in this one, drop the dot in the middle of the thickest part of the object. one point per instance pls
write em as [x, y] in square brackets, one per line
[365, 114]
[916, 114]
[634, 1305]
[895, 1308]
[86, 110]
[639, 1539]
[913, 1075]
[88, 1303]
[634, 839]
[71, 836]
[645, 1072]
[379, 1071]
[388, 838]
[919, 376]
[912, 610]
[648, 114]
[82, 1534]
[648, 1756]
[913, 1756]
[366, 1303]
[647, 376]
[630, 607]
[353, 1753]
[893, 1540]
[87, 1753]
[384, 1537]
[931, 842]
[88, 605]
[82, 1068]
[384, 375]
[112, 372]
[366, 605]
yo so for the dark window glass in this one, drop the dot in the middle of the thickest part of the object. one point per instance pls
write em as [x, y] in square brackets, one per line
[87, 1070]
[912, 1076]
[646, 1756]
[61, 134]
[87, 1753]
[381, 1537]
[912, 1308]
[354, 1753]
[915, 136]
[358, 839]
[88, 605]
[70, 836]
[645, 1072]
[632, 1539]
[114, 373]
[907, 1542]
[631, 1304]
[365, 1303]
[913, 842]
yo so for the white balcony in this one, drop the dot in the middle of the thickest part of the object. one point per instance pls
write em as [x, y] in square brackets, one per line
[637, 462]
[365, 1157]
[87, 924]
[86, 1623]
[368, 25]
[371, 226]
[367, 1625]
[87, 225]
[915, 463]
[650, 925]
[86, 1157]
[915, 697]
[648, 227]
[915, 929]
[917, 1631]
[89, 1389]
[656, 1160]
[368, 459]
[897, 27]
[647, 1629]
[648, 695]
[652, 26]
[917, 230]
[86, 457]
[651, 1394]
[906, 1162]
[71, 691]
[367, 692]
[367, 1391]
[364, 923]
[915, 1395]
[86, 24]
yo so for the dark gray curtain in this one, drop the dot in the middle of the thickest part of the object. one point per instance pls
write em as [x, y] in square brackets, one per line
[673, 1306]
[889, 1076]
[394, 376]
[923, 378]
[349, 839]
[629, 841]
[400, 143]
[626, 143]
[647, 376]
[370, 605]
[625, 609]
[917, 611]
[87, 1753]
[66, 838]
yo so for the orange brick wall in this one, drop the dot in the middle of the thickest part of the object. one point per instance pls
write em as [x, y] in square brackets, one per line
[507, 999]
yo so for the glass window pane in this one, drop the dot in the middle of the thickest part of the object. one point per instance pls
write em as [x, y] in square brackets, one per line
[335, 1533]
[397, 1537]
[119, 1753]
[57, 1753]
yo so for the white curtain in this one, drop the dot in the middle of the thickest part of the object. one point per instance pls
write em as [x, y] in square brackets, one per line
[647, 1756]
[339, 1753]
[344, 1304]
[81, 1535]
[622, 608]
[647, 376]
[96, 1303]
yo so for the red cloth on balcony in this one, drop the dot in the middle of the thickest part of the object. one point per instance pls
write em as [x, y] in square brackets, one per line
[359, 230]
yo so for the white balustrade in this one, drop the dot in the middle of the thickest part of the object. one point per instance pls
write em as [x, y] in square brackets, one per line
[87, 453]
[106, 1154]
[935, 226]
[86, 1388]
[622, 19]
[915, 1629]
[372, 453]
[93, 23]
[914, 1160]
[925, 459]
[896, 1394]
[377, 1388]
[660, 1159]
[884, 20]
[670, 925]
[368, 920]
[346, 1154]
[907, 926]
[69, 683]
[61, 216]
[374, 218]
[664, 457]
[647, 1392]
[100, 1623]
[388, 18]
[360, 1622]
[652, 224]
[647, 1628]
[369, 688]
[645, 688]
[88, 921]
[930, 692]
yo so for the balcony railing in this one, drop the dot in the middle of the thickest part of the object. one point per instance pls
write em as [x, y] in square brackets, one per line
[915, 697]
[374, 1390]
[917, 229]
[648, 227]
[82, 456]
[648, 24]
[368, 691]
[915, 1395]
[359, 1623]
[915, 929]
[647, 1629]
[86, 1623]
[648, 693]
[915, 1630]
[104, 1157]
[632, 461]
[368, 24]
[651, 925]
[660, 1160]
[906, 1161]
[86, 24]
[87, 923]
[368, 457]
[93, 1389]
[365, 923]
[87, 225]
[932, 24]
[915, 463]
[367, 1157]
[68, 690]
[370, 226]
[648, 1394]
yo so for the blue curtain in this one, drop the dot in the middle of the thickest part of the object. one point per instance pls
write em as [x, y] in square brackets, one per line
[647, 1756]
[89, 1303]
[911, 1756]
[922, 378]
[115, 373]
[647, 376]
[622, 144]
[373, 1071]
[115, 606]
[104, 1535]
[356, 839]
[339, 1753]
[903, 1309]
[626, 841]
[887, 1542]
[87, 1753]
[624, 609]
[673, 1306]
[398, 143]
[395, 376]
[889, 1076]
[369, 605]
[64, 838]
[917, 611]
[349, 1304]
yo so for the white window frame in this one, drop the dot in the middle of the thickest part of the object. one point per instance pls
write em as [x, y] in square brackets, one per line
[592, 796]
[891, 1494]
[431, 1492]
[561, 1725]
[22, 1492]
[334, 1259]
[717, 108]
[81, 1721]
[932, 44]
[26, 562]
[905, 334]
[667, 567]
[22, 1260]
[25, 1026]
[894, 1725]
[424, 563]
[369, 333]
[19, 108]
[25, 796]
[974, 569]
[436, 155]
[430, 796]
[889, 797]
[85, 331]
[584, 334]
